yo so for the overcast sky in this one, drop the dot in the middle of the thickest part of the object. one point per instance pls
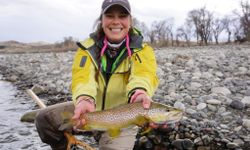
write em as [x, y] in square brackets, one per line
[51, 20]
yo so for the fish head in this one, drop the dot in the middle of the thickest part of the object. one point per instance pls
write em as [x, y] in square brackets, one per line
[163, 114]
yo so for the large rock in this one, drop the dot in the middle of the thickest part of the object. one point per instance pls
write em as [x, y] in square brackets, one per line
[221, 90]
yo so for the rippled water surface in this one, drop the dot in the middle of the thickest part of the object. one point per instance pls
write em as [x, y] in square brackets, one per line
[14, 134]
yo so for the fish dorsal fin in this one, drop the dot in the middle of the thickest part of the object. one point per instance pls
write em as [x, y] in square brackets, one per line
[114, 132]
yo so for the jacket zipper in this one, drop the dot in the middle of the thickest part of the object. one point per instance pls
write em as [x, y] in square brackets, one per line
[104, 97]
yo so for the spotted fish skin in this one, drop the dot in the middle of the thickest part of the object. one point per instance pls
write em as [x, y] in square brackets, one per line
[113, 120]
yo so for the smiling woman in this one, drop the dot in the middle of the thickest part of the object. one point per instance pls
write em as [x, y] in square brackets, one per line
[116, 23]
[112, 67]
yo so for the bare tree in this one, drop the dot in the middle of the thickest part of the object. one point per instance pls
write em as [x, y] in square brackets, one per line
[153, 33]
[193, 17]
[241, 23]
[169, 29]
[161, 32]
[184, 32]
[245, 19]
[237, 29]
[202, 20]
[217, 27]
[68, 41]
[141, 26]
[226, 21]
[152, 36]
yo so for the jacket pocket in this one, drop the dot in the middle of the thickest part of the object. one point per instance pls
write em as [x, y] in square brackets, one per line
[83, 61]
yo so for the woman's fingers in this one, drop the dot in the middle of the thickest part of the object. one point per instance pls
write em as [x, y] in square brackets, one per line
[146, 102]
[81, 108]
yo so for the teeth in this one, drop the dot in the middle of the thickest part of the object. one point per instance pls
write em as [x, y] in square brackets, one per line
[115, 30]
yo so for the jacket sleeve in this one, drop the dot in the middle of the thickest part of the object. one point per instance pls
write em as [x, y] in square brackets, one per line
[143, 72]
[83, 76]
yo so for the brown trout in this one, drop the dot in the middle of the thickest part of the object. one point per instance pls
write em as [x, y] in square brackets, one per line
[113, 120]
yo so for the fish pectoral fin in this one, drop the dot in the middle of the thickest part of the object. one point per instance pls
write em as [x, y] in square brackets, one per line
[114, 132]
[87, 127]
[141, 120]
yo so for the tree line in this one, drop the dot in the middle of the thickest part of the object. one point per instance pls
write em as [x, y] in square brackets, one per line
[201, 26]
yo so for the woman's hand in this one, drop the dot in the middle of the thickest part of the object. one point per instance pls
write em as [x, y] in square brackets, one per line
[84, 104]
[141, 96]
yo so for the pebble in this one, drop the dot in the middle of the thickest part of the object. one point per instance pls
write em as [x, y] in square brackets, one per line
[246, 123]
[247, 93]
[212, 108]
[221, 90]
[38, 89]
[232, 145]
[201, 106]
[182, 144]
[190, 111]
[246, 100]
[213, 102]
[236, 104]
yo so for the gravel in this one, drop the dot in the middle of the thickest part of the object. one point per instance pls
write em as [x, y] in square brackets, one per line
[211, 84]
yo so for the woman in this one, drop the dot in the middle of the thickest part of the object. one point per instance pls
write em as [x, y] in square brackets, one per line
[112, 67]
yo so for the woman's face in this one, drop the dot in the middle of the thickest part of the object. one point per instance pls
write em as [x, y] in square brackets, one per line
[116, 23]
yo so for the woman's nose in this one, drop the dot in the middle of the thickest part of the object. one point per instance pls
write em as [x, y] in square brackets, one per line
[116, 20]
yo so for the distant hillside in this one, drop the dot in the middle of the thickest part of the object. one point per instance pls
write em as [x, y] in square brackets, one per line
[19, 47]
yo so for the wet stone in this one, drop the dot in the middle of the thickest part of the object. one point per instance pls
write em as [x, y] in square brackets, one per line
[148, 145]
[183, 144]
[232, 145]
[198, 141]
[24, 133]
[225, 141]
[239, 142]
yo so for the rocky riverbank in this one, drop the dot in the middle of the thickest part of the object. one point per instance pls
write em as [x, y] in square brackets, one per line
[211, 84]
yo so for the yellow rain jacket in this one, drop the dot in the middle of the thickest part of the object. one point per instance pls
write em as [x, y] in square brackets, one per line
[137, 72]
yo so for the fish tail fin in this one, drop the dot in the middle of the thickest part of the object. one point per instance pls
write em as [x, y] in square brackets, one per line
[67, 123]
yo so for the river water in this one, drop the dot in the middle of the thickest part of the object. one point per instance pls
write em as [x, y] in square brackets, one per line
[16, 135]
